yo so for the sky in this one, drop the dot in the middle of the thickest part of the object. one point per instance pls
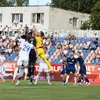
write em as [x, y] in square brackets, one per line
[39, 2]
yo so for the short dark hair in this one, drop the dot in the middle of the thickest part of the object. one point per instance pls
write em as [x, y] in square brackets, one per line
[79, 52]
[24, 37]
[73, 51]
[42, 33]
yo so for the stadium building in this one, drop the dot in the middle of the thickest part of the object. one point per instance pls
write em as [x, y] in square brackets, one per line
[43, 17]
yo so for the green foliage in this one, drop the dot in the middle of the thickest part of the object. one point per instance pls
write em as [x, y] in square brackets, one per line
[86, 25]
[4, 3]
[84, 6]
[7, 3]
[20, 2]
[95, 17]
[94, 22]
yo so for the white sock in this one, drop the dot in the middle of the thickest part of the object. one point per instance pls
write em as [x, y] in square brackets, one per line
[48, 77]
[37, 78]
[75, 80]
[15, 73]
[21, 73]
[67, 78]
[1, 76]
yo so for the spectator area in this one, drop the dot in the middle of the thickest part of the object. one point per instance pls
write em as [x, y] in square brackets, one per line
[59, 46]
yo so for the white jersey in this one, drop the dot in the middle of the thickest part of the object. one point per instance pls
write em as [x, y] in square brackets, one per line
[25, 49]
[2, 58]
[2, 65]
[21, 40]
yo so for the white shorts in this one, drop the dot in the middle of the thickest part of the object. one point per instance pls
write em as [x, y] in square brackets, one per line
[3, 69]
[43, 67]
[23, 62]
[98, 69]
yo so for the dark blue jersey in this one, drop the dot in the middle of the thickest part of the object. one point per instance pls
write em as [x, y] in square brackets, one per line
[81, 62]
[71, 61]
[64, 65]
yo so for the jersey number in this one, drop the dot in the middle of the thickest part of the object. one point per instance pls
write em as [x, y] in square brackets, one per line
[26, 48]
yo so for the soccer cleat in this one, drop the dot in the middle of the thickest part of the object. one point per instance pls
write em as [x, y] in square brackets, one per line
[80, 84]
[13, 81]
[18, 82]
[63, 84]
[35, 82]
[3, 81]
[88, 84]
[49, 83]
[30, 83]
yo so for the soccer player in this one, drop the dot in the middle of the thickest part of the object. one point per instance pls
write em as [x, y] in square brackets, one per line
[23, 59]
[71, 62]
[64, 68]
[43, 67]
[82, 73]
[2, 66]
[32, 59]
[40, 50]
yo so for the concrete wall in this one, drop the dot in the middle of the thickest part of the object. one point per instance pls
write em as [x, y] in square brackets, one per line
[27, 15]
[59, 19]
[54, 18]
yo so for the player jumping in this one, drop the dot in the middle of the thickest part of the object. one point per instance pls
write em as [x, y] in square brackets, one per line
[23, 59]
[43, 67]
[40, 50]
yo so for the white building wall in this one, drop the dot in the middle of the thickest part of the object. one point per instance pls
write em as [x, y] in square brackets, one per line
[54, 18]
[27, 15]
[59, 19]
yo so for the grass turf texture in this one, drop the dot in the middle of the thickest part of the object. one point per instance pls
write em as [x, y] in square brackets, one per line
[42, 91]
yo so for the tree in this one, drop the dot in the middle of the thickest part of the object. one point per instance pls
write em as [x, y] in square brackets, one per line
[84, 6]
[95, 17]
[4, 3]
[7, 3]
[86, 25]
[20, 2]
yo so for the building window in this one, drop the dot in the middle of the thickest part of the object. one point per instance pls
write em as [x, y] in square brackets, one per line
[38, 18]
[75, 22]
[0, 17]
[71, 20]
[18, 17]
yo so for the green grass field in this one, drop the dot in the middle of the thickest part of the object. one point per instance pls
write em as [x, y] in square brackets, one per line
[42, 91]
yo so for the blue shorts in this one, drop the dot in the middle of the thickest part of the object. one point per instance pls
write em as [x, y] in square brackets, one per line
[63, 72]
[82, 71]
[68, 70]
[6, 32]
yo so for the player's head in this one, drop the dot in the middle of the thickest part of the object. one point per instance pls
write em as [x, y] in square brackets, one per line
[78, 53]
[72, 53]
[41, 34]
[24, 37]
[2, 52]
